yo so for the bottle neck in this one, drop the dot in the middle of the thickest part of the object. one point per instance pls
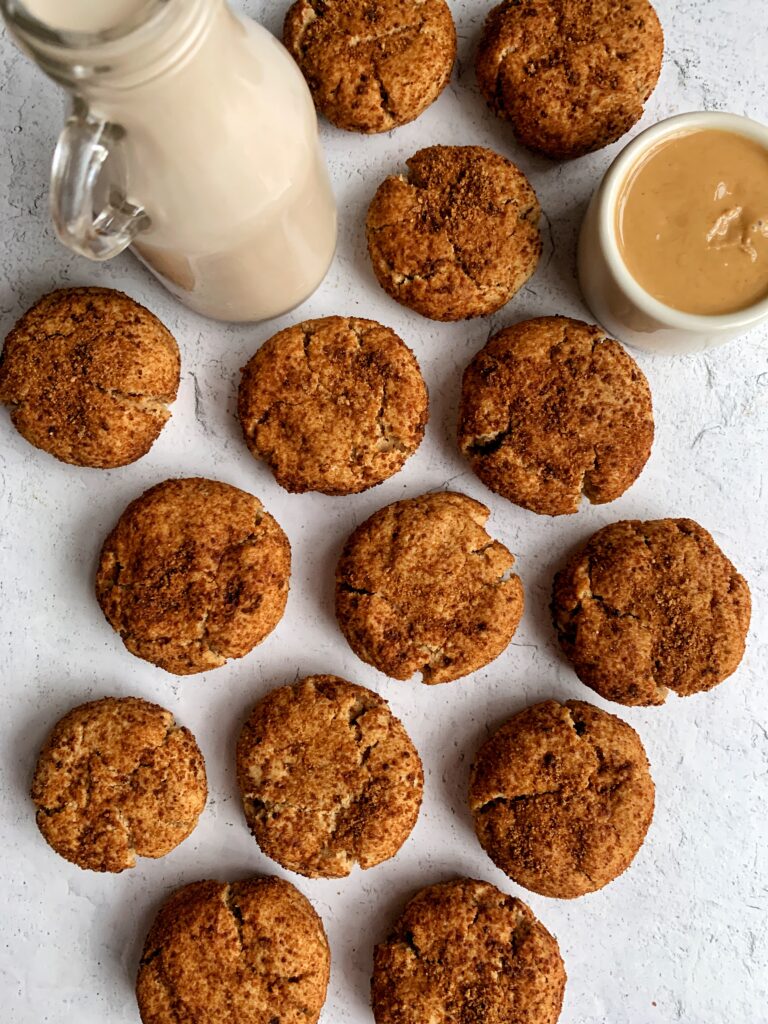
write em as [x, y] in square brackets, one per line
[152, 39]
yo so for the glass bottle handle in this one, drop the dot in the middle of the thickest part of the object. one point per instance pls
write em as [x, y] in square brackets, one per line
[89, 205]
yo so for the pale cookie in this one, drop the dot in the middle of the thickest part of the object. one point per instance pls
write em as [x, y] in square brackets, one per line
[334, 405]
[421, 587]
[328, 776]
[117, 779]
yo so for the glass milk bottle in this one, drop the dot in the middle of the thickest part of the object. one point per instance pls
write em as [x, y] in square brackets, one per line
[193, 140]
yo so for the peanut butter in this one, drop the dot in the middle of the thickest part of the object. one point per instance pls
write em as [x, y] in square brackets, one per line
[692, 222]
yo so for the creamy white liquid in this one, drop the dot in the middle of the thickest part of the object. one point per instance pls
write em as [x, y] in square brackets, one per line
[221, 151]
[85, 15]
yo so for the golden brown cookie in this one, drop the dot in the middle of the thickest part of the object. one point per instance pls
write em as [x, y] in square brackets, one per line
[195, 572]
[328, 776]
[571, 77]
[551, 408]
[562, 798]
[117, 779]
[88, 374]
[251, 952]
[334, 405]
[372, 66]
[465, 952]
[458, 236]
[421, 587]
[648, 607]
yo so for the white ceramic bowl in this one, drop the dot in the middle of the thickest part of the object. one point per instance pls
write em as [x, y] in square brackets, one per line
[616, 300]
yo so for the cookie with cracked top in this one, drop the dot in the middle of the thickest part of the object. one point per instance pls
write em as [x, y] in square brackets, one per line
[570, 77]
[116, 779]
[551, 408]
[649, 607]
[458, 236]
[328, 776]
[466, 951]
[372, 66]
[195, 572]
[562, 798]
[251, 952]
[335, 405]
[88, 374]
[422, 587]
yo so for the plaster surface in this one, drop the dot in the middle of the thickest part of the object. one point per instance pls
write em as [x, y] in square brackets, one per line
[683, 934]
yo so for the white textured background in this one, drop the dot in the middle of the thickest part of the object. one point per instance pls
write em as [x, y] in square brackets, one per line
[682, 936]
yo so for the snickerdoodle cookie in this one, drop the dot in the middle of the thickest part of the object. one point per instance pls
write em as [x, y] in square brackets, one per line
[551, 409]
[562, 798]
[195, 572]
[466, 952]
[422, 587]
[647, 607]
[334, 405]
[117, 779]
[251, 952]
[372, 66]
[88, 374]
[457, 236]
[570, 77]
[329, 777]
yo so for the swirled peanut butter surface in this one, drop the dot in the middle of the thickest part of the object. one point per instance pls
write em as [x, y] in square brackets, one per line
[692, 222]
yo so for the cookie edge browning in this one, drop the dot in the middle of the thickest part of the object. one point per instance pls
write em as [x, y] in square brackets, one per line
[292, 32]
[161, 415]
[506, 338]
[384, 271]
[435, 677]
[487, 748]
[487, 71]
[162, 928]
[188, 666]
[565, 596]
[399, 932]
[249, 376]
[61, 726]
[245, 741]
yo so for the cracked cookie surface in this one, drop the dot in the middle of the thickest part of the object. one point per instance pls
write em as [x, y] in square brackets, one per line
[648, 607]
[195, 572]
[88, 374]
[117, 779]
[335, 405]
[375, 65]
[562, 797]
[457, 237]
[251, 952]
[328, 776]
[571, 77]
[464, 952]
[551, 408]
[422, 587]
